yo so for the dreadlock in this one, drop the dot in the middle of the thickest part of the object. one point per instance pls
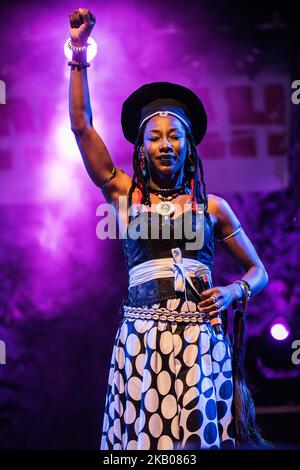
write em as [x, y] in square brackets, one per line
[138, 179]
[192, 167]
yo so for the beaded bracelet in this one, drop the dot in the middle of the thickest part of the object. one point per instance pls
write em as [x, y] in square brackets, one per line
[75, 65]
[77, 49]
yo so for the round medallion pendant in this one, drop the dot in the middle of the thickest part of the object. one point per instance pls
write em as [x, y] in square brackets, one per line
[165, 208]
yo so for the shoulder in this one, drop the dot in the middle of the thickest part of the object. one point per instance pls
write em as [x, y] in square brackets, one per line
[218, 205]
[225, 219]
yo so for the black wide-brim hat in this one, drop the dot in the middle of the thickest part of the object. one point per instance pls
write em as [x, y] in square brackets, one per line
[132, 109]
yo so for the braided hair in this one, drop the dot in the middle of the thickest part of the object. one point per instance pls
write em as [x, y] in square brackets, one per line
[192, 167]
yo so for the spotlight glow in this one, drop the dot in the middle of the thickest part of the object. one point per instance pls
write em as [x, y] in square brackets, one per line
[91, 51]
[280, 330]
[65, 142]
[51, 234]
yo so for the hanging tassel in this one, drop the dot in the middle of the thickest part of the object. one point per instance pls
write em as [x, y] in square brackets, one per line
[247, 433]
[194, 203]
[139, 196]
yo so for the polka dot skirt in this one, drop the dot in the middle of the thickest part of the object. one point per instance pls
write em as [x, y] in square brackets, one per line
[169, 387]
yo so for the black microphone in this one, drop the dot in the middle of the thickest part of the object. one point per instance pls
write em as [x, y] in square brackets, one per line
[216, 320]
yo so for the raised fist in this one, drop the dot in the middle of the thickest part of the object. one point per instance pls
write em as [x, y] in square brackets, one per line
[82, 22]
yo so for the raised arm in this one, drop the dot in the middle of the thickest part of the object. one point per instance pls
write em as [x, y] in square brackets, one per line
[96, 158]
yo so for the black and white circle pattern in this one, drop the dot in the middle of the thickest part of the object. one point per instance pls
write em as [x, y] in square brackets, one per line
[169, 387]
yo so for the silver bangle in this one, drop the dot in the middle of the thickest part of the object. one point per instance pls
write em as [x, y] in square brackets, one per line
[231, 235]
[246, 292]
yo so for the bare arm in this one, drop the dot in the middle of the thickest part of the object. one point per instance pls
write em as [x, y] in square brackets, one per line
[241, 250]
[96, 158]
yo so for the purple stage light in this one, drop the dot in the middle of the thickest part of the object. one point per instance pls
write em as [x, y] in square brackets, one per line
[280, 329]
[91, 51]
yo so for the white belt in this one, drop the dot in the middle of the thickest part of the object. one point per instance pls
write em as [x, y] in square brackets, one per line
[182, 269]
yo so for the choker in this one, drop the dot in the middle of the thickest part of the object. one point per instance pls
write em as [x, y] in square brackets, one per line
[166, 191]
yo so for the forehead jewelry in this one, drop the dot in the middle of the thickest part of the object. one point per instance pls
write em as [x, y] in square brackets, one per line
[164, 114]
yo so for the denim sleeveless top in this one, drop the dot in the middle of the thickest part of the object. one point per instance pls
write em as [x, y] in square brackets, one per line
[139, 250]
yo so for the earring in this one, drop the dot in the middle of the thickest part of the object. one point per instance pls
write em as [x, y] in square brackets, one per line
[191, 167]
[144, 168]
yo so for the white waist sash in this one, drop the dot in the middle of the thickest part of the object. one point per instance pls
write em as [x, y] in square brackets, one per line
[182, 269]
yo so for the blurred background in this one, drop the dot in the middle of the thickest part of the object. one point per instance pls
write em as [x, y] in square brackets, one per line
[60, 286]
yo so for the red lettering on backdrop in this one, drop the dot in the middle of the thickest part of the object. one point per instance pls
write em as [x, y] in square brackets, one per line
[277, 145]
[241, 109]
[275, 104]
[243, 144]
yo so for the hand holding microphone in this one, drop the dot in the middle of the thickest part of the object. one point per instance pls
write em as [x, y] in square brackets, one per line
[214, 300]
